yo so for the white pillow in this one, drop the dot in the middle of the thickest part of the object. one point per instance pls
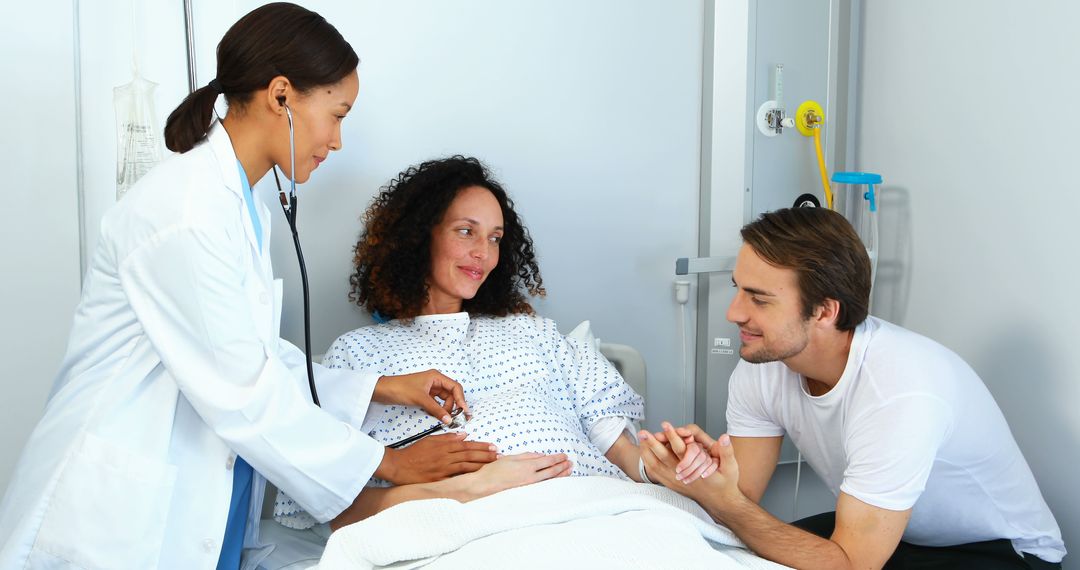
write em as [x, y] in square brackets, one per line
[627, 360]
[583, 333]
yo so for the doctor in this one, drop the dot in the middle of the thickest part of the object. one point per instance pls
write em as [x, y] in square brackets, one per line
[175, 383]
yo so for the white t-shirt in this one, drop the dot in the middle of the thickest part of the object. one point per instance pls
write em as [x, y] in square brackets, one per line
[909, 424]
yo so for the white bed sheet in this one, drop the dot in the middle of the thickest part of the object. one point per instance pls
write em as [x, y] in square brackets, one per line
[293, 549]
[572, 522]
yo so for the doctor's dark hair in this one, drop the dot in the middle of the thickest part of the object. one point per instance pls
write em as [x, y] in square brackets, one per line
[271, 40]
[828, 257]
[393, 256]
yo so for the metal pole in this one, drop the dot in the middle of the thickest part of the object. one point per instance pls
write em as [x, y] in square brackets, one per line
[189, 29]
[80, 186]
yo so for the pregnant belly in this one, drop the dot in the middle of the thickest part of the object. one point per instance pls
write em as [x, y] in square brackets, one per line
[520, 420]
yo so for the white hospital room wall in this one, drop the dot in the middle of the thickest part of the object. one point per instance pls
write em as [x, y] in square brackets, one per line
[40, 229]
[965, 110]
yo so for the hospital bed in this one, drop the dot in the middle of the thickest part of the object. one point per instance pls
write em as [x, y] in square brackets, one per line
[607, 518]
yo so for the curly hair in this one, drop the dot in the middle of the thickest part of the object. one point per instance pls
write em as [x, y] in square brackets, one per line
[393, 255]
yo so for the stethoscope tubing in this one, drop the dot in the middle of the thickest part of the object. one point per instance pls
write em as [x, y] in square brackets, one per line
[288, 206]
[416, 437]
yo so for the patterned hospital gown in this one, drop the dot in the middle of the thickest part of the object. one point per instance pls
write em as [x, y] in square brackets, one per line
[529, 388]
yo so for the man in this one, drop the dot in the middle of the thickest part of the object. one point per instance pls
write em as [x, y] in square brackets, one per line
[901, 430]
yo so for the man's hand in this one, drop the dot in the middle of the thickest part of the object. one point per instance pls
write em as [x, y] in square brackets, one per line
[865, 535]
[688, 433]
[719, 487]
[420, 389]
[434, 458]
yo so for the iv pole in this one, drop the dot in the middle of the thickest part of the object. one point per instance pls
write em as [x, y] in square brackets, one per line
[189, 30]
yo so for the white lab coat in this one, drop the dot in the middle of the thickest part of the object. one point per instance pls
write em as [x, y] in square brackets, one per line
[174, 363]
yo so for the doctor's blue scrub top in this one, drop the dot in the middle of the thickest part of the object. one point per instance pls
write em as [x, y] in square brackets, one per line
[232, 546]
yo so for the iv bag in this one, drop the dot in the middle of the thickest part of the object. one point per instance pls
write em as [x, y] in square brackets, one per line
[137, 146]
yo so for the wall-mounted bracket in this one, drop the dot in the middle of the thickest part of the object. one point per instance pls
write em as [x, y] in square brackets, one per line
[692, 265]
[771, 120]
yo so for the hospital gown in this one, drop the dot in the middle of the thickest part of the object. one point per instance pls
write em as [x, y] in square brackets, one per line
[529, 388]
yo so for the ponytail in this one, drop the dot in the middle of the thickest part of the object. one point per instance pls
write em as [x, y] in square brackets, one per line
[271, 40]
[189, 123]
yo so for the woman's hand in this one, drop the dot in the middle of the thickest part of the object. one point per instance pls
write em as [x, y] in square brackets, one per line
[689, 443]
[434, 458]
[420, 389]
[507, 472]
[511, 471]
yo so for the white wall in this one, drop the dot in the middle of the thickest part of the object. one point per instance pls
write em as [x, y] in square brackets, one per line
[965, 109]
[40, 229]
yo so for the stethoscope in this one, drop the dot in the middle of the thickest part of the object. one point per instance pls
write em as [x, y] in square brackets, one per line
[288, 206]
[457, 421]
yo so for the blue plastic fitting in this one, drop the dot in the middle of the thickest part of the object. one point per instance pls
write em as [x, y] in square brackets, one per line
[867, 178]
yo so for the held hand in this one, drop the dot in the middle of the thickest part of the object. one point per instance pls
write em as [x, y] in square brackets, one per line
[661, 461]
[698, 435]
[518, 470]
[689, 433]
[434, 458]
[694, 459]
[420, 389]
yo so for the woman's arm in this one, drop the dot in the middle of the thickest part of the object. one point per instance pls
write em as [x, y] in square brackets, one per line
[625, 454]
[598, 391]
[505, 473]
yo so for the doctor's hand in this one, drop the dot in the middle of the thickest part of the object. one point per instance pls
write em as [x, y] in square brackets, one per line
[420, 389]
[434, 458]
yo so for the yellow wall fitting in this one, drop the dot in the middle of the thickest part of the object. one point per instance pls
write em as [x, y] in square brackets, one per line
[809, 116]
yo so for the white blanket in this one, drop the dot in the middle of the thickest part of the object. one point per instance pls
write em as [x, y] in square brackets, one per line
[572, 522]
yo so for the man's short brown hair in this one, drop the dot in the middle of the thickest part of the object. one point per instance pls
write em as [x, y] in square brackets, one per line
[826, 254]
